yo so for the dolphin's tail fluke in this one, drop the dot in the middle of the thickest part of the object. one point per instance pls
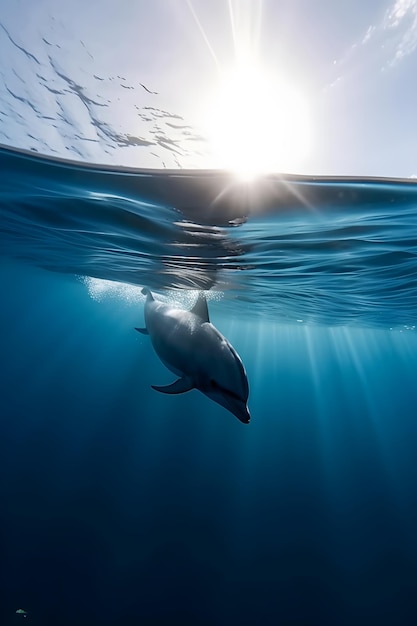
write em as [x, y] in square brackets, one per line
[147, 292]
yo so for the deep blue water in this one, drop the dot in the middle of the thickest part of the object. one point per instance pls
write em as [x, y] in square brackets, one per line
[121, 506]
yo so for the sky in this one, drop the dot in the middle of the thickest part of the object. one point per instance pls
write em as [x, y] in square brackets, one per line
[323, 87]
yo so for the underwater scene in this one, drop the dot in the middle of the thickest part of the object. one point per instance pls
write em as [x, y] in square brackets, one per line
[208, 368]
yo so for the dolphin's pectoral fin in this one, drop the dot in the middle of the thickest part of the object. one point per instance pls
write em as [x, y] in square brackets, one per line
[179, 386]
[200, 307]
[142, 330]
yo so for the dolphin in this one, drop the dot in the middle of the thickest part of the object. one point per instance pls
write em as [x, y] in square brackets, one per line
[193, 349]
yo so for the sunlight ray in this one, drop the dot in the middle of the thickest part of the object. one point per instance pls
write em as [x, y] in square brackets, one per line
[202, 31]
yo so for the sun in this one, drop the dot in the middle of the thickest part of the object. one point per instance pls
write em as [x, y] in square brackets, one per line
[257, 122]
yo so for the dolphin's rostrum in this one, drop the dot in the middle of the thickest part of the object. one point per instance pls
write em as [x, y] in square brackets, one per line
[193, 349]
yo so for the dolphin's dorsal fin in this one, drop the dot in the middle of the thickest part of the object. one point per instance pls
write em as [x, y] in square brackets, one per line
[200, 307]
[179, 386]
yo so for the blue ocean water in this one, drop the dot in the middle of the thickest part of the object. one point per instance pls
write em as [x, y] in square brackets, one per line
[122, 506]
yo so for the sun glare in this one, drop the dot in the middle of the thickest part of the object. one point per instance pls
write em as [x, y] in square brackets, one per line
[257, 123]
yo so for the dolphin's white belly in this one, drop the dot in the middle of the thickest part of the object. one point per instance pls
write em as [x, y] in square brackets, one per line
[174, 341]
